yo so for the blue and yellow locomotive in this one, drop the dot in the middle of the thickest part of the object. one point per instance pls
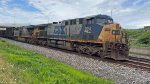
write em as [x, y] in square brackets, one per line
[97, 35]
[94, 35]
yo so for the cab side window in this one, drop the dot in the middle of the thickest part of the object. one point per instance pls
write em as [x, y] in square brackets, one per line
[90, 21]
[66, 23]
[81, 21]
[72, 22]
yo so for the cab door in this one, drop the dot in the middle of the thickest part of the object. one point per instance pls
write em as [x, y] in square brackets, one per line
[88, 33]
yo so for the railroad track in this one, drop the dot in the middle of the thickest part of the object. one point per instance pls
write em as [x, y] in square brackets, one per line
[138, 63]
[139, 59]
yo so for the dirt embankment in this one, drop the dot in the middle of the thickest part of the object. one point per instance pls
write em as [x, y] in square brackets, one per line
[6, 72]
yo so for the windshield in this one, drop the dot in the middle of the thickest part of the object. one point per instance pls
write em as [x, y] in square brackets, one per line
[103, 21]
[110, 21]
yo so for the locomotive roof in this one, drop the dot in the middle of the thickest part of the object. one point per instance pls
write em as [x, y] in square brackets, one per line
[100, 16]
[87, 17]
[92, 16]
[30, 26]
[42, 25]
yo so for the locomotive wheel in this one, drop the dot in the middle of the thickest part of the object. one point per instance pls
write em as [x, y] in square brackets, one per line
[79, 49]
[37, 42]
[40, 43]
[43, 43]
[88, 51]
[100, 54]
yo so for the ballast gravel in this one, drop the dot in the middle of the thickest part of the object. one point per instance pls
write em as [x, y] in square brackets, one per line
[118, 73]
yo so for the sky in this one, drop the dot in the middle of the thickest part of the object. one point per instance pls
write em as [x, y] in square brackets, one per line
[128, 13]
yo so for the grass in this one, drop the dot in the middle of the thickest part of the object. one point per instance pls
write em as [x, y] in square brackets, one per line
[26, 67]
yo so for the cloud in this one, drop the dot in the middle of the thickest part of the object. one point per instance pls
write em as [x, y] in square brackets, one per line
[62, 9]
[17, 15]
[134, 15]
[4, 2]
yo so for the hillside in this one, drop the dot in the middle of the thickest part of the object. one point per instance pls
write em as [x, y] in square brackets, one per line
[139, 37]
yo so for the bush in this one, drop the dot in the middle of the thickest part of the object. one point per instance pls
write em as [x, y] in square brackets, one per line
[139, 37]
[145, 38]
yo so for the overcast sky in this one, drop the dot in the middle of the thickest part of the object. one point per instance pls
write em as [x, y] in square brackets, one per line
[129, 13]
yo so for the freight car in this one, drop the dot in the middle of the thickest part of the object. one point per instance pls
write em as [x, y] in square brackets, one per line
[7, 32]
[93, 35]
[2, 31]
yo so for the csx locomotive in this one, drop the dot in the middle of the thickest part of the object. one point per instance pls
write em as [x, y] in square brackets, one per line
[94, 35]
